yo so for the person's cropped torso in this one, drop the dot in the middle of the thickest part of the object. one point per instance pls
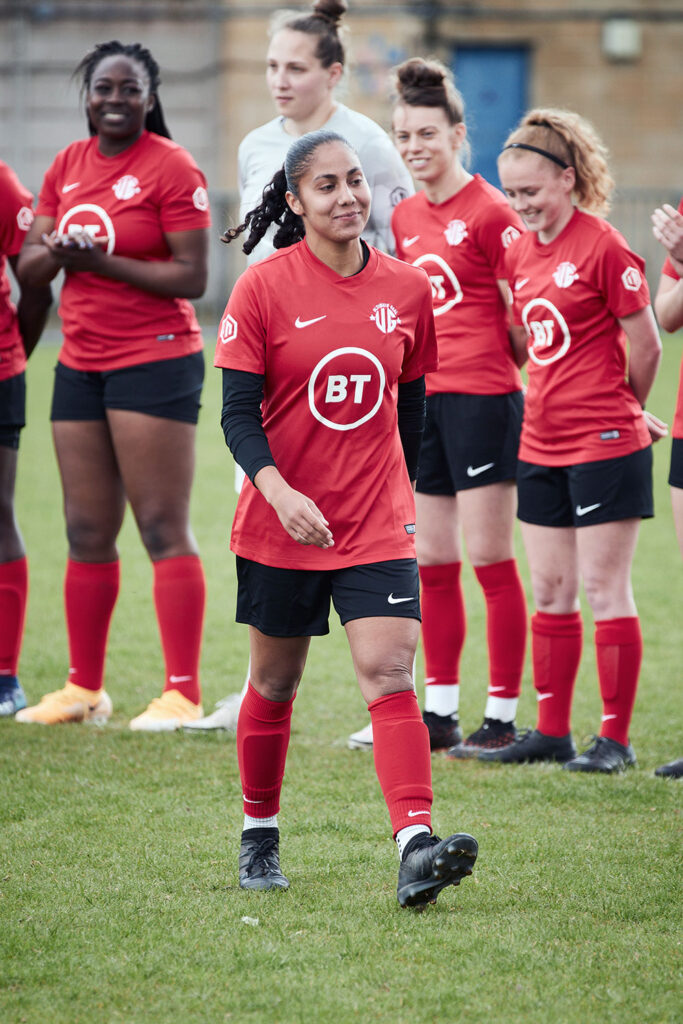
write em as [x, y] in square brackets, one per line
[461, 245]
[151, 188]
[333, 351]
[16, 217]
[570, 296]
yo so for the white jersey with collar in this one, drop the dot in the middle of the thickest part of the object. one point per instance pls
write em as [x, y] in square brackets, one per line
[262, 152]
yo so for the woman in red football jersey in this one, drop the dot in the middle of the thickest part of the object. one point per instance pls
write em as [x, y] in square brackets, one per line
[20, 329]
[324, 346]
[458, 229]
[125, 215]
[667, 225]
[585, 470]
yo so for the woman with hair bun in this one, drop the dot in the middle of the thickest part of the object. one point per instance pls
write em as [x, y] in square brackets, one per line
[328, 435]
[304, 65]
[457, 229]
[585, 469]
[125, 214]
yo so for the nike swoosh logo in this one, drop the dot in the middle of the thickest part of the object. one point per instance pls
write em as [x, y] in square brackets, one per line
[520, 284]
[407, 242]
[471, 471]
[606, 718]
[69, 188]
[179, 679]
[581, 511]
[544, 696]
[496, 689]
[248, 801]
[307, 323]
[398, 600]
[414, 814]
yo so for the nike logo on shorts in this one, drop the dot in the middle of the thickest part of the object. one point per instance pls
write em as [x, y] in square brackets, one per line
[307, 323]
[472, 471]
[407, 242]
[398, 600]
[582, 510]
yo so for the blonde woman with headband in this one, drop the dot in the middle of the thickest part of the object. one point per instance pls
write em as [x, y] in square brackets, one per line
[585, 462]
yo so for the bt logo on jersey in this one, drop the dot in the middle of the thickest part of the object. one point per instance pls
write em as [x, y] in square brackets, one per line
[549, 337]
[446, 290]
[90, 218]
[346, 388]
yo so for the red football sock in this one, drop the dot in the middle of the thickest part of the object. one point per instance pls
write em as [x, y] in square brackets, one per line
[619, 652]
[443, 622]
[506, 626]
[13, 596]
[263, 729]
[402, 758]
[179, 598]
[90, 592]
[556, 642]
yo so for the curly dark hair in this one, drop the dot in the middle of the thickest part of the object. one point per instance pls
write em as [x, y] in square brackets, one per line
[274, 208]
[154, 122]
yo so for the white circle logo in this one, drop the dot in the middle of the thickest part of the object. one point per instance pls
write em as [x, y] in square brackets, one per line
[346, 388]
[92, 219]
[385, 317]
[541, 327]
[446, 290]
[565, 274]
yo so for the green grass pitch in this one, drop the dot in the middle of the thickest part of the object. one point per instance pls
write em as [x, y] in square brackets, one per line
[119, 899]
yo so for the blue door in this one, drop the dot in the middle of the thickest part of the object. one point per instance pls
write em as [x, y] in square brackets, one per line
[493, 81]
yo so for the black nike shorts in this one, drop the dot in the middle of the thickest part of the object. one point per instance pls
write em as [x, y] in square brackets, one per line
[12, 410]
[169, 388]
[676, 468]
[296, 602]
[590, 493]
[469, 441]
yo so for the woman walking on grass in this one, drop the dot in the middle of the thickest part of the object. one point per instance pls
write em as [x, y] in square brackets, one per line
[585, 470]
[324, 346]
[125, 214]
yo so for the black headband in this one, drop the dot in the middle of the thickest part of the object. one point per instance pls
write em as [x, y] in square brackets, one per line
[542, 152]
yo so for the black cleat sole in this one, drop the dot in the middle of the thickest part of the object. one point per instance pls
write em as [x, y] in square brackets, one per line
[453, 863]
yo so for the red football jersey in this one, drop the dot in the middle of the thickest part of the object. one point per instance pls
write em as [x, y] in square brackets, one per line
[677, 429]
[16, 217]
[132, 199]
[570, 295]
[461, 244]
[333, 350]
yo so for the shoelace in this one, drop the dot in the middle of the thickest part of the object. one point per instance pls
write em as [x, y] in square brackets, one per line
[261, 852]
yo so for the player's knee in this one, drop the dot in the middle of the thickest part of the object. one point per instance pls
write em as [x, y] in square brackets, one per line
[161, 534]
[88, 540]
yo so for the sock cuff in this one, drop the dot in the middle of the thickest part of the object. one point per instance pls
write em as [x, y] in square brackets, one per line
[92, 570]
[440, 575]
[618, 631]
[497, 573]
[14, 572]
[265, 710]
[545, 624]
[393, 706]
[180, 567]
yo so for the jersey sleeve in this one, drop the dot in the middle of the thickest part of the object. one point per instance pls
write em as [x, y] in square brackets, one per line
[620, 275]
[422, 356]
[241, 343]
[498, 229]
[48, 199]
[389, 182]
[183, 198]
[16, 212]
[397, 235]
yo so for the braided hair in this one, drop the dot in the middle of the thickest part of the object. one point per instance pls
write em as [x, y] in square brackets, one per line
[274, 208]
[154, 121]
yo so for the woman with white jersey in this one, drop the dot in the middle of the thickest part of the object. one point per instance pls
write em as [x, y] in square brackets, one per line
[305, 64]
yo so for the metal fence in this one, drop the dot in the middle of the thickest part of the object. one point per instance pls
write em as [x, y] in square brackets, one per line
[630, 214]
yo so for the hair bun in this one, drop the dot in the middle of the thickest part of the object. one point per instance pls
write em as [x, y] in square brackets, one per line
[331, 10]
[420, 74]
